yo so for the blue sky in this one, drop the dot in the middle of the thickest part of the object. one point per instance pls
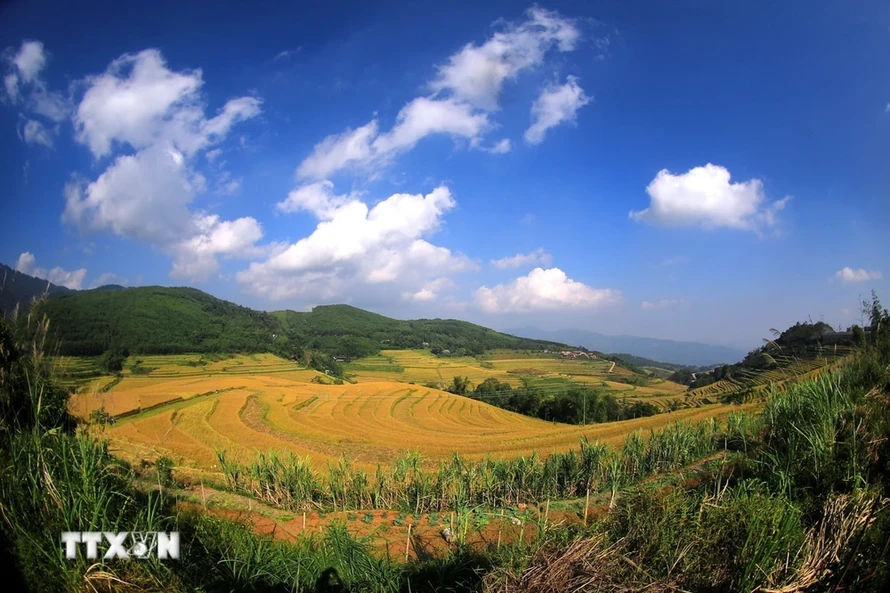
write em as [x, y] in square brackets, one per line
[696, 170]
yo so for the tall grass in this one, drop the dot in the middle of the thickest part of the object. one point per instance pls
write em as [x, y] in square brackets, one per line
[411, 485]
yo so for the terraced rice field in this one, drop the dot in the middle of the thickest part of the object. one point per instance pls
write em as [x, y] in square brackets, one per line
[73, 371]
[421, 367]
[369, 423]
[792, 370]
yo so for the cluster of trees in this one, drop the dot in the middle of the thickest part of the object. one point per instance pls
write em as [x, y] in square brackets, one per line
[153, 320]
[801, 340]
[342, 330]
[570, 405]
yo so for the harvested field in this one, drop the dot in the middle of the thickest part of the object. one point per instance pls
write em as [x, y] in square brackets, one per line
[368, 423]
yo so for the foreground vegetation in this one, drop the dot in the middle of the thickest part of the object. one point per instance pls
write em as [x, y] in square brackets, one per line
[795, 501]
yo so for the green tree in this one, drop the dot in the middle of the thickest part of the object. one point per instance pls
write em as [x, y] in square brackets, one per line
[459, 385]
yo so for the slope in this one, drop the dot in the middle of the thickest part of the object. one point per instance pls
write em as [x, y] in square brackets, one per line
[18, 290]
[162, 320]
[155, 320]
[353, 332]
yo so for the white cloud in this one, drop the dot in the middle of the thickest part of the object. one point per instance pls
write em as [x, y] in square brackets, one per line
[380, 249]
[26, 264]
[49, 104]
[366, 146]
[11, 85]
[33, 132]
[317, 198]
[848, 274]
[705, 196]
[555, 105]
[662, 304]
[476, 73]
[423, 117]
[230, 188]
[196, 257]
[287, 53]
[543, 290]
[144, 196]
[339, 151]
[24, 86]
[502, 147]
[30, 60]
[538, 256]
[430, 291]
[139, 103]
[211, 155]
[465, 91]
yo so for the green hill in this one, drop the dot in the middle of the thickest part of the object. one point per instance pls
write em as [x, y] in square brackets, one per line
[18, 290]
[160, 320]
[352, 332]
[154, 320]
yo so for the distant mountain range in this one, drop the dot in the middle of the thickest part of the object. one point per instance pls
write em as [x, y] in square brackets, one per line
[670, 351]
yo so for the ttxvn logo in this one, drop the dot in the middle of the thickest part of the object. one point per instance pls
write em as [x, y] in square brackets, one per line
[125, 544]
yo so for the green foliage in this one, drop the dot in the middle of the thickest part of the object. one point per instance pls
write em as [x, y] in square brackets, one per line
[342, 330]
[154, 320]
[164, 466]
[28, 399]
[158, 320]
[571, 404]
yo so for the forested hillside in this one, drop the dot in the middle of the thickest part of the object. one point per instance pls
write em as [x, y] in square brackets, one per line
[353, 332]
[154, 320]
[160, 320]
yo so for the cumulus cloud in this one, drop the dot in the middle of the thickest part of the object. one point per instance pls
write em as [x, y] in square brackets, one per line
[555, 105]
[366, 146]
[705, 196]
[477, 73]
[140, 105]
[430, 291]
[538, 256]
[543, 290]
[139, 102]
[465, 92]
[317, 198]
[380, 249]
[662, 304]
[27, 264]
[848, 274]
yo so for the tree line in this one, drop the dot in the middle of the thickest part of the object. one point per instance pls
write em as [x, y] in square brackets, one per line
[571, 404]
